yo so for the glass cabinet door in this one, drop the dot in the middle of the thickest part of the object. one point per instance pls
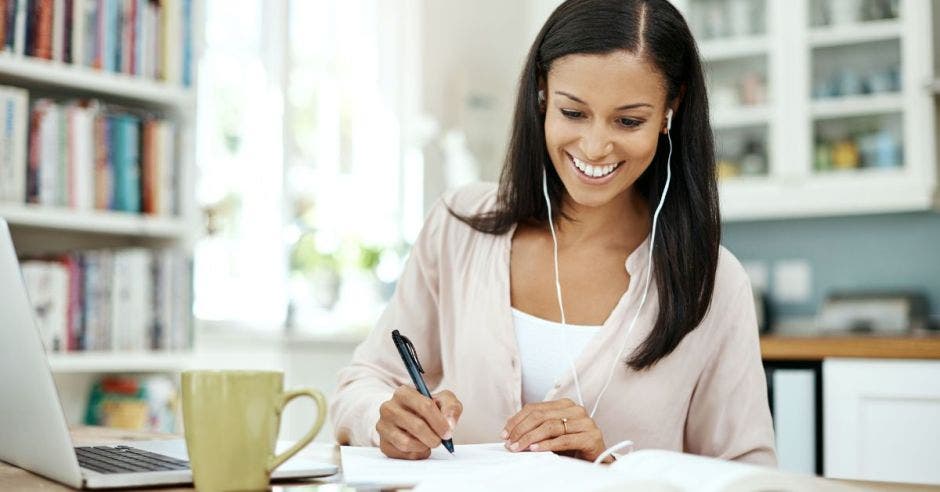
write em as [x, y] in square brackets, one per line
[820, 107]
[856, 86]
[733, 39]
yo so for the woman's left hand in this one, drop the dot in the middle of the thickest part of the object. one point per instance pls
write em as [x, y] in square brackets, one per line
[559, 425]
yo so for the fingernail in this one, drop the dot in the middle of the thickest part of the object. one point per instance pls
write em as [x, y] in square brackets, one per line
[534, 447]
[504, 435]
[514, 447]
[448, 435]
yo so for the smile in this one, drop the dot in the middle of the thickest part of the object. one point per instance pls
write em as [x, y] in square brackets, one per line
[591, 171]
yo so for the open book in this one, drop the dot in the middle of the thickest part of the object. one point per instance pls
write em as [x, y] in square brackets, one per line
[490, 467]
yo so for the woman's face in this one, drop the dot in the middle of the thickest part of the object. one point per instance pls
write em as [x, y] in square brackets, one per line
[603, 117]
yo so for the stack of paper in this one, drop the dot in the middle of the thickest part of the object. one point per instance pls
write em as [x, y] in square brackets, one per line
[368, 466]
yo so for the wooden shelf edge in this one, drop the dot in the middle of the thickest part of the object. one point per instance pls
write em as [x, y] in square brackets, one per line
[791, 348]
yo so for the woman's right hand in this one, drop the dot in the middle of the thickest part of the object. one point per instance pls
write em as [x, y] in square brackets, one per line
[411, 424]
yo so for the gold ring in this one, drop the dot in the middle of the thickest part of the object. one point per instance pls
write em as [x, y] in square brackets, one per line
[564, 423]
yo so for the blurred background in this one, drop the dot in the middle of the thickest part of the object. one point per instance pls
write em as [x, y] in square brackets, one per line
[237, 184]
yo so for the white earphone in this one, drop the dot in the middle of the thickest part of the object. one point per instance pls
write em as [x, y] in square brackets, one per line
[649, 270]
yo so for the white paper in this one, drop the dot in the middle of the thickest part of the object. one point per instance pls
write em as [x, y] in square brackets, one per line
[367, 465]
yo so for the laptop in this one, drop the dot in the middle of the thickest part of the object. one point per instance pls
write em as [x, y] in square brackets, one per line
[34, 434]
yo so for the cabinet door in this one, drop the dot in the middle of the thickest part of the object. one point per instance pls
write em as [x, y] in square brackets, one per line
[882, 420]
[816, 103]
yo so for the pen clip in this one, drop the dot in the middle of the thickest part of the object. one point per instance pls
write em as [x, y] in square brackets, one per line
[411, 351]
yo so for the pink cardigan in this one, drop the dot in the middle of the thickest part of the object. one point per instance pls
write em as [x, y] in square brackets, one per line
[707, 397]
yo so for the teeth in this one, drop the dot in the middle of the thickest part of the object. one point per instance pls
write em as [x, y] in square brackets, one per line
[593, 171]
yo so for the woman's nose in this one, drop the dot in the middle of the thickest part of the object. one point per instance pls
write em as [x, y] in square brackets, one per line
[596, 145]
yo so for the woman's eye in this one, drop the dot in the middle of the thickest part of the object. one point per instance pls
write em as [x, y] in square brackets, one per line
[629, 122]
[571, 114]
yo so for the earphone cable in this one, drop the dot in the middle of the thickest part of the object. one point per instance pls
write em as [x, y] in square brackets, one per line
[649, 271]
[561, 306]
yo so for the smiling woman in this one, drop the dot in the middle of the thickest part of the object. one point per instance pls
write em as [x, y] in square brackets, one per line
[592, 139]
[611, 143]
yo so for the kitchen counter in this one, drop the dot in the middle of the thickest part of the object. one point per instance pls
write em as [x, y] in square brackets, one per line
[923, 345]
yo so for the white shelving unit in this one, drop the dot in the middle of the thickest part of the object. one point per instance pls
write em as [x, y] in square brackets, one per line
[729, 49]
[93, 221]
[42, 229]
[123, 362]
[863, 32]
[856, 106]
[740, 117]
[34, 72]
[794, 53]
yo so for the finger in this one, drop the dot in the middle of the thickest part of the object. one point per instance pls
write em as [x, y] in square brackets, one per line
[425, 408]
[450, 406]
[535, 419]
[547, 430]
[515, 419]
[556, 429]
[412, 424]
[399, 438]
[566, 442]
[530, 407]
[392, 452]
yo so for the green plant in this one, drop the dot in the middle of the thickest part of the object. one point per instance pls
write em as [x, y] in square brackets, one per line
[306, 258]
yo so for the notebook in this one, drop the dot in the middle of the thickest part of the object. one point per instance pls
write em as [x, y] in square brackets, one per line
[491, 467]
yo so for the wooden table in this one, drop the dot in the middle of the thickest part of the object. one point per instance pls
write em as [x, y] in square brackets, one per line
[12, 478]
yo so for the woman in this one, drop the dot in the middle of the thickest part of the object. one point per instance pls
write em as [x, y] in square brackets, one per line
[647, 333]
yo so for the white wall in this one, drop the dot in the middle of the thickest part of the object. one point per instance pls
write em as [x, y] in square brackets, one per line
[472, 55]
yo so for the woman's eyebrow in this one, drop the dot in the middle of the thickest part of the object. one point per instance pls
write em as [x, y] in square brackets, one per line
[621, 108]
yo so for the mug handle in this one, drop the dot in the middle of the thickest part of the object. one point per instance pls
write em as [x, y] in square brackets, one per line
[278, 460]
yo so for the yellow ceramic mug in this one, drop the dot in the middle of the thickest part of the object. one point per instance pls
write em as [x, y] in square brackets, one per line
[231, 421]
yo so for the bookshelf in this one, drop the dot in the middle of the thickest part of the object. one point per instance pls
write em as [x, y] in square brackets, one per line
[150, 88]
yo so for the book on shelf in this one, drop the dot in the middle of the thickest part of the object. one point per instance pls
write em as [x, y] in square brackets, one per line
[84, 154]
[145, 38]
[131, 299]
[14, 105]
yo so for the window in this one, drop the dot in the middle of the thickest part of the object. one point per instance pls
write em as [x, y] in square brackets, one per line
[309, 180]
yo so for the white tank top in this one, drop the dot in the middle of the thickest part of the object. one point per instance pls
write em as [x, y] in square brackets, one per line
[542, 345]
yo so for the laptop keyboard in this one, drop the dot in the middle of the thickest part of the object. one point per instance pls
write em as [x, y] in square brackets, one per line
[124, 459]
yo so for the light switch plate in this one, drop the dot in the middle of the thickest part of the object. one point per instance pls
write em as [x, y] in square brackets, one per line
[759, 274]
[792, 281]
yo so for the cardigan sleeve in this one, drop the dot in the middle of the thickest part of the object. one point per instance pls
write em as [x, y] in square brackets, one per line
[729, 414]
[376, 369]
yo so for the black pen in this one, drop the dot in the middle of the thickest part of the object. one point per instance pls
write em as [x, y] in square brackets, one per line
[408, 355]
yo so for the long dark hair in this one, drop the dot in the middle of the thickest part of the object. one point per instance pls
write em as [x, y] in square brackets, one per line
[689, 226]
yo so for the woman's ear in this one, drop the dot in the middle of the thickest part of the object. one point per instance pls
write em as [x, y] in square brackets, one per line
[672, 110]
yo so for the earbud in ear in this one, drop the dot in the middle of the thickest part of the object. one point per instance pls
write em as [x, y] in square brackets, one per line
[541, 96]
[669, 120]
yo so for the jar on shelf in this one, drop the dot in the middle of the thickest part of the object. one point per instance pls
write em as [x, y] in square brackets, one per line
[822, 159]
[753, 89]
[845, 154]
[753, 160]
[887, 149]
[845, 11]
